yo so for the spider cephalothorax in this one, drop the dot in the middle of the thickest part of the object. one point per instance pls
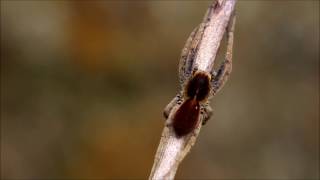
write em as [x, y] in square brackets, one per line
[198, 86]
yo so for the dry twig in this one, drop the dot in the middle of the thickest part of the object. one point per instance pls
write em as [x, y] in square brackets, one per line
[198, 55]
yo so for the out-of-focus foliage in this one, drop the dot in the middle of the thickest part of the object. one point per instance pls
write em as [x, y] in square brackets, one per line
[83, 86]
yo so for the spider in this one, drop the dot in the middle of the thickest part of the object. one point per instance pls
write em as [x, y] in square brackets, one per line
[191, 106]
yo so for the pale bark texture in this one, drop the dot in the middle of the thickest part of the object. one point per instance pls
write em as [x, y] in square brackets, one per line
[172, 149]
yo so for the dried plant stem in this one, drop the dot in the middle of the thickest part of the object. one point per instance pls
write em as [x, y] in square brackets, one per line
[171, 149]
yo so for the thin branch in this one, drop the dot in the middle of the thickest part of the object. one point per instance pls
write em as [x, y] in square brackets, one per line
[172, 149]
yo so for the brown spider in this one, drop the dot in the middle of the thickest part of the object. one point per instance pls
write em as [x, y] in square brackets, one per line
[198, 83]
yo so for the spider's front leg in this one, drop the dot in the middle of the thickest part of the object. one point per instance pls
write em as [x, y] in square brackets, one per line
[219, 78]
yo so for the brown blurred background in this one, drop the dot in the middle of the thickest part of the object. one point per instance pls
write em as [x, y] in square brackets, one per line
[83, 86]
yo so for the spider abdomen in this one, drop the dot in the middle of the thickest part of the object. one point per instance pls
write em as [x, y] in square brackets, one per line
[186, 117]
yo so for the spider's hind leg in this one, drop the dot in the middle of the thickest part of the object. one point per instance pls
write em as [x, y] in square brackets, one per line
[206, 112]
[167, 110]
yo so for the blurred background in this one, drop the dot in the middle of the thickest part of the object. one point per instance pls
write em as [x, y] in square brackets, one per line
[84, 84]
